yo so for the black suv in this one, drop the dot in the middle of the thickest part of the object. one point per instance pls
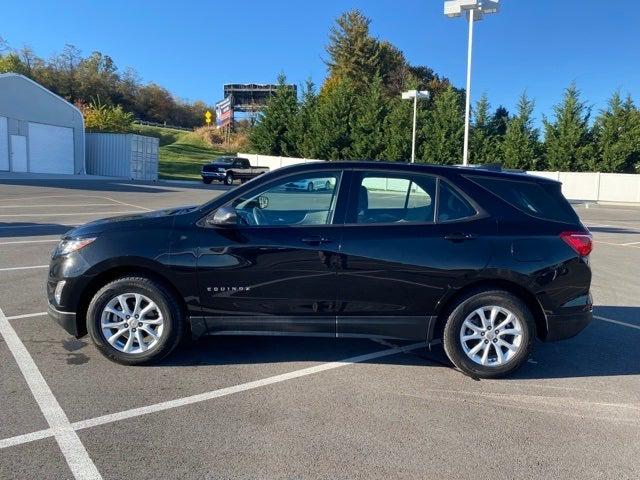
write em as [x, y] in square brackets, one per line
[483, 261]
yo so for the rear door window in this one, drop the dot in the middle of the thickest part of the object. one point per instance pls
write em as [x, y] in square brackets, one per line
[393, 198]
[538, 200]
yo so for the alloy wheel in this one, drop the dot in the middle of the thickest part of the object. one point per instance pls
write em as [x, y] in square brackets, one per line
[491, 336]
[132, 323]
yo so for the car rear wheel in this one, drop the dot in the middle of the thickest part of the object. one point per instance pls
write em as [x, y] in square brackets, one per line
[327, 186]
[228, 180]
[135, 320]
[489, 334]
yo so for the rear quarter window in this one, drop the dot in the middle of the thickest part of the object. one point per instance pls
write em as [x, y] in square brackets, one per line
[543, 201]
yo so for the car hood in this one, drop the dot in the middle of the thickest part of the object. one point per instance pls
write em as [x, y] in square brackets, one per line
[128, 221]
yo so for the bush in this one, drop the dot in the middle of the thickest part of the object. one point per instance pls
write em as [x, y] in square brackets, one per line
[99, 117]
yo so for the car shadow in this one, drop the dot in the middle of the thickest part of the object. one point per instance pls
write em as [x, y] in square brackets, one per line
[28, 229]
[603, 349]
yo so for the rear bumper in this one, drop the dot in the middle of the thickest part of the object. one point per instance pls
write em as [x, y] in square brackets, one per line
[561, 327]
[66, 320]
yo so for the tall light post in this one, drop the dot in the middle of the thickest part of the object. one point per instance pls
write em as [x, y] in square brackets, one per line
[415, 95]
[475, 10]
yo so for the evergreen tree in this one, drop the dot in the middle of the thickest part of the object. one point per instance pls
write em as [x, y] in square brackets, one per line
[520, 145]
[397, 130]
[354, 54]
[331, 123]
[269, 136]
[367, 141]
[617, 133]
[484, 144]
[568, 139]
[444, 130]
[299, 133]
[499, 121]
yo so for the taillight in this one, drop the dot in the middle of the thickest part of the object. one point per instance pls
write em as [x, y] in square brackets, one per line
[581, 242]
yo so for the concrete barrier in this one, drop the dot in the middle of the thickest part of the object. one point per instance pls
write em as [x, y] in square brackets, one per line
[578, 186]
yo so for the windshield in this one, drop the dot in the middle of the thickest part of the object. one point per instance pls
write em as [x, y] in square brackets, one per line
[224, 160]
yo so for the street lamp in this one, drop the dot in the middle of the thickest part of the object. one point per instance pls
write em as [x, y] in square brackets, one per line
[415, 94]
[475, 10]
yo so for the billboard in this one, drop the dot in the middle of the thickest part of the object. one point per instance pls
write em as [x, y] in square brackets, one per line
[251, 97]
[224, 113]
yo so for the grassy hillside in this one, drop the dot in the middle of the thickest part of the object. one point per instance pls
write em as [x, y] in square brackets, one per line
[182, 153]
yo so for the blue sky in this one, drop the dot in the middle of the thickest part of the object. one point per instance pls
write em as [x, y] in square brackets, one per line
[192, 48]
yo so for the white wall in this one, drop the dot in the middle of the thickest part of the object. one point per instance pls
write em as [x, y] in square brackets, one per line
[587, 186]
[597, 187]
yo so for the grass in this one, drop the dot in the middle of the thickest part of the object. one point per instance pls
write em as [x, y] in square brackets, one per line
[182, 153]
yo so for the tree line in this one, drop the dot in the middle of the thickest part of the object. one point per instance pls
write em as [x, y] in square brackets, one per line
[95, 80]
[358, 114]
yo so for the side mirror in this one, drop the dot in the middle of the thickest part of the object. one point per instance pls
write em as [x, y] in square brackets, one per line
[223, 216]
[263, 202]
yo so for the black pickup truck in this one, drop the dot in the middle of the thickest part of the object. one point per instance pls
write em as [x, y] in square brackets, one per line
[229, 169]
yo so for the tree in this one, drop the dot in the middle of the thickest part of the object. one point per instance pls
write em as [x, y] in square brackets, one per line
[99, 117]
[331, 124]
[354, 54]
[397, 130]
[444, 130]
[499, 120]
[299, 133]
[269, 136]
[568, 139]
[617, 135]
[520, 145]
[484, 143]
[367, 124]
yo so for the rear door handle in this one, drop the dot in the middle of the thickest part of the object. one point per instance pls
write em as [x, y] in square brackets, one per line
[459, 236]
[316, 240]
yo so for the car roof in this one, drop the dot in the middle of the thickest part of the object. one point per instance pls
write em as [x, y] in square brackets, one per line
[444, 170]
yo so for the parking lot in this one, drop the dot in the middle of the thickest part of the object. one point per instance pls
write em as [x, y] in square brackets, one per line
[271, 407]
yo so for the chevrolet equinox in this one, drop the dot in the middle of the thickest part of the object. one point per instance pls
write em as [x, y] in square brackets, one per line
[483, 261]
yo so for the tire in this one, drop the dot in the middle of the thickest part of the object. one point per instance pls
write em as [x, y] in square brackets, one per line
[310, 187]
[207, 180]
[327, 186]
[228, 180]
[460, 353]
[169, 331]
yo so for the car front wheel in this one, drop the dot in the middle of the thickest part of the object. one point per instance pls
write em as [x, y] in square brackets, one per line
[489, 334]
[228, 180]
[135, 320]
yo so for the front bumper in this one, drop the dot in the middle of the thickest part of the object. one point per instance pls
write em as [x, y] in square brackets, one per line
[214, 175]
[561, 327]
[66, 320]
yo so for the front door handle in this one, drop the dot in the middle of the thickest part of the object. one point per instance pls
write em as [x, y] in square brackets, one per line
[459, 236]
[316, 240]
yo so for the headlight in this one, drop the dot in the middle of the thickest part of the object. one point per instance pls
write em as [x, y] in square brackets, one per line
[72, 245]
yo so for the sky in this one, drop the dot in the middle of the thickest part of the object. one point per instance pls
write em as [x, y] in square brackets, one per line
[193, 48]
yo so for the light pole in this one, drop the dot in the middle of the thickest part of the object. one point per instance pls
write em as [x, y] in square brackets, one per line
[415, 95]
[475, 10]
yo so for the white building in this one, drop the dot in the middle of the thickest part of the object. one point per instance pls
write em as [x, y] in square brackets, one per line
[39, 131]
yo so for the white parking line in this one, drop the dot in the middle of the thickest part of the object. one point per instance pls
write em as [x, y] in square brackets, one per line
[20, 242]
[72, 448]
[26, 315]
[128, 204]
[33, 267]
[119, 212]
[617, 322]
[202, 397]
